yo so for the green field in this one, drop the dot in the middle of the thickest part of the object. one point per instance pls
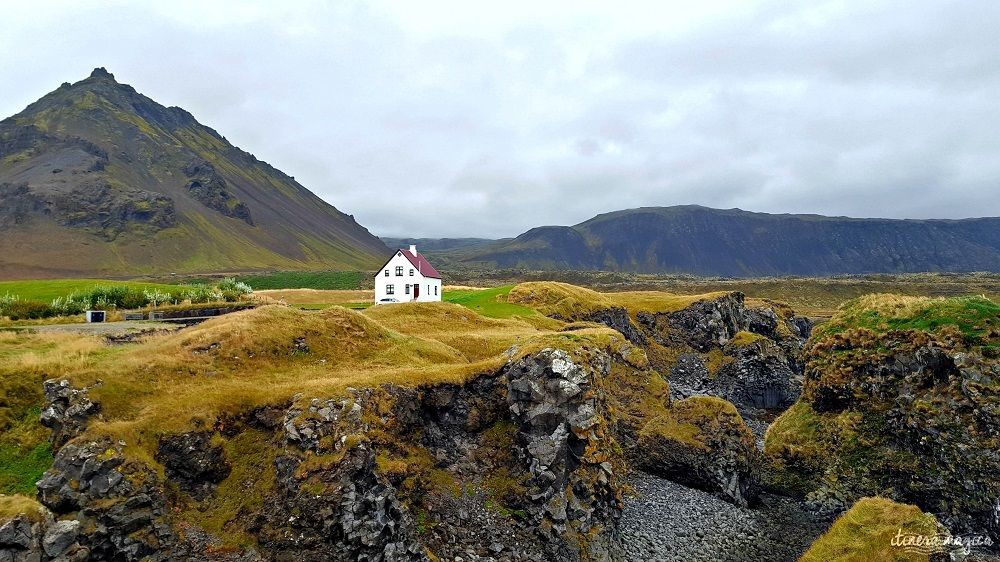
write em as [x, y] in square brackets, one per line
[491, 303]
[329, 280]
[47, 289]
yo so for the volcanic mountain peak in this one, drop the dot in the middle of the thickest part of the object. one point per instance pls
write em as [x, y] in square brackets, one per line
[101, 179]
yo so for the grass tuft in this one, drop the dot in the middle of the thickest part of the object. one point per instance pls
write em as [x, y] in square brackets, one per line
[866, 532]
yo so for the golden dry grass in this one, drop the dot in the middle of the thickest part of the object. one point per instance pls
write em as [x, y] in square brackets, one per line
[475, 336]
[171, 383]
[866, 532]
[17, 504]
[572, 302]
[174, 382]
[316, 296]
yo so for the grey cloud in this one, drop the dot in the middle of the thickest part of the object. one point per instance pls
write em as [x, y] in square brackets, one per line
[500, 123]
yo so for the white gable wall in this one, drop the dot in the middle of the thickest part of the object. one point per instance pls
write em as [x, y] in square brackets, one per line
[430, 289]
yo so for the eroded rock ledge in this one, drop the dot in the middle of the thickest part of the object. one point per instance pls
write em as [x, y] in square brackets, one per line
[518, 464]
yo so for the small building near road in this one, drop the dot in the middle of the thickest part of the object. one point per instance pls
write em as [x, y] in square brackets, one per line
[407, 277]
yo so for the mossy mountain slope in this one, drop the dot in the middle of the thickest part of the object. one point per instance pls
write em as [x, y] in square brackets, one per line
[98, 179]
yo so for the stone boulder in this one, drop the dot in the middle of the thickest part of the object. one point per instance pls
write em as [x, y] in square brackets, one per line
[704, 443]
[38, 537]
[67, 410]
[20, 538]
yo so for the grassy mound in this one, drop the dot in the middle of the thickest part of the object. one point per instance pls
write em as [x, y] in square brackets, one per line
[492, 303]
[171, 383]
[573, 303]
[696, 422]
[867, 532]
[976, 318]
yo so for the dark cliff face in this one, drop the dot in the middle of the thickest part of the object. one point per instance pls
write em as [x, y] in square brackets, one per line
[131, 185]
[698, 240]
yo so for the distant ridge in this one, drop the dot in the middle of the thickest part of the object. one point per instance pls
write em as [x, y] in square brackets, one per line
[731, 242]
[98, 179]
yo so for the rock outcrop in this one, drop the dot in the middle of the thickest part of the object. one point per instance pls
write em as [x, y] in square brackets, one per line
[704, 443]
[26, 538]
[211, 190]
[67, 410]
[340, 510]
[617, 318]
[911, 415]
[759, 377]
[746, 355]
[119, 504]
[366, 476]
[561, 432]
[708, 323]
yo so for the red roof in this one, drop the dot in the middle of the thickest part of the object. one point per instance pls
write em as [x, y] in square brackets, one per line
[420, 263]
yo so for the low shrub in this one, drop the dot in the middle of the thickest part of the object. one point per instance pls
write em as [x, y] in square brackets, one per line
[201, 293]
[26, 310]
[233, 290]
[70, 305]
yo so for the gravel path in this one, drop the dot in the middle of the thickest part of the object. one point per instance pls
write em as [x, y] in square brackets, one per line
[667, 522]
[104, 328]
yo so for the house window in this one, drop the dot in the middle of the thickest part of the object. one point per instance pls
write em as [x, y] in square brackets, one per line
[390, 289]
[435, 290]
[399, 271]
[407, 288]
[411, 272]
[387, 273]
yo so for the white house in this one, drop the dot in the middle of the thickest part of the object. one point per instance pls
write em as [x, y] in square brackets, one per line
[406, 277]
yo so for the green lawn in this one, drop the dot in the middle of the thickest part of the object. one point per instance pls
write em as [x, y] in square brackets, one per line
[488, 302]
[328, 280]
[47, 289]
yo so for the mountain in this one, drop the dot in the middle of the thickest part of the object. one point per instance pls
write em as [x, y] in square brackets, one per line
[439, 244]
[98, 179]
[703, 241]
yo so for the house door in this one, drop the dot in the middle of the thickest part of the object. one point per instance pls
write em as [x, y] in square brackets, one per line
[416, 291]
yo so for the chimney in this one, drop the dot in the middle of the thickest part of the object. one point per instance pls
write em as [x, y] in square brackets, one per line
[413, 249]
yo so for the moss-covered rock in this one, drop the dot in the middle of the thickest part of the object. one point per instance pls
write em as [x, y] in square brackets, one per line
[703, 442]
[880, 529]
[912, 414]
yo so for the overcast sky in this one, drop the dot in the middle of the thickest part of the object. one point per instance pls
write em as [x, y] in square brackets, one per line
[487, 118]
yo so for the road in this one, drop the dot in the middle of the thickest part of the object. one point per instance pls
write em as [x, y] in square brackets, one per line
[105, 328]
